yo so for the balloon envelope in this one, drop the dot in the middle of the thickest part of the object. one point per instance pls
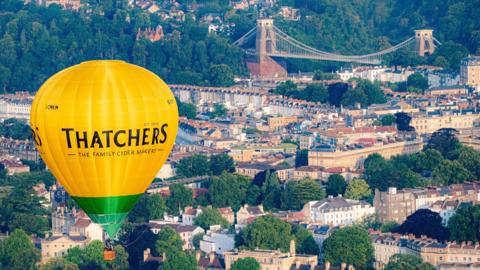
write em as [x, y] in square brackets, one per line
[104, 129]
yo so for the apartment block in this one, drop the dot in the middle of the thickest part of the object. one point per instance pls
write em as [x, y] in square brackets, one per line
[397, 205]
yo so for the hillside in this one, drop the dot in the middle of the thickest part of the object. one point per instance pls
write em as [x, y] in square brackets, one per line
[36, 42]
[364, 26]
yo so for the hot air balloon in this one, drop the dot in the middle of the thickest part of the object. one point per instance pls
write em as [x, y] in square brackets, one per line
[104, 128]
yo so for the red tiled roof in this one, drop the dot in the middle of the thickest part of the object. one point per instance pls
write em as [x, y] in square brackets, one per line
[83, 222]
[225, 210]
[199, 191]
[251, 219]
[335, 170]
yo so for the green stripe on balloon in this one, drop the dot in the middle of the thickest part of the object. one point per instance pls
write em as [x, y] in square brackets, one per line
[109, 212]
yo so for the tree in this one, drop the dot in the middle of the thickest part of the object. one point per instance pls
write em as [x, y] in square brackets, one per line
[194, 165]
[336, 185]
[381, 173]
[388, 120]
[180, 197]
[301, 158]
[219, 110]
[228, 190]
[355, 96]
[136, 239]
[470, 160]
[121, 259]
[424, 222]
[247, 263]
[336, 92]
[350, 245]
[464, 224]
[428, 160]
[221, 75]
[320, 76]
[209, 217]
[266, 232]
[59, 264]
[253, 195]
[316, 93]
[285, 88]
[22, 209]
[88, 257]
[440, 61]
[179, 260]
[168, 241]
[305, 243]
[220, 163]
[373, 92]
[15, 128]
[17, 252]
[156, 206]
[445, 141]
[196, 240]
[308, 190]
[271, 190]
[403, 121]
[4, 77]
[358, 189]
[390, 226]
[416, 80]
[186, 109]
[450, 172]
[453, 52]
[140, 212]
[407, 262]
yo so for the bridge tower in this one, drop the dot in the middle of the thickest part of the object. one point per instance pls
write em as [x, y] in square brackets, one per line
[424, 42]
[265, 40]
[264, 66]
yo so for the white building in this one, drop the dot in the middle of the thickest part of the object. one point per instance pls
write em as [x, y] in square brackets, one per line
[337, 211]
[166, 171]
[189, 215]
[217, 242]
[377, 73]
[15, 108]
[446, 209]
[442, 78]
[85, 227]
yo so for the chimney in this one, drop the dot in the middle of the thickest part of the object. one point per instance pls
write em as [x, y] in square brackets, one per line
[343, 266]
[146, 254]
[211, 257]
[164, 256]
[292, 248]
[197, 255]
[327, 265]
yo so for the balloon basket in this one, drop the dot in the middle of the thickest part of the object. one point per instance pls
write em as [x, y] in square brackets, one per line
[108, 254]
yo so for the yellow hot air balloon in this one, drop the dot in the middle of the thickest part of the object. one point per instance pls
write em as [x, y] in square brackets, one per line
[104, 128]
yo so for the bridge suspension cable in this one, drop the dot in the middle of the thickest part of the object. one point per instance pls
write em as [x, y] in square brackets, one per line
[245, 37]
[283, 45]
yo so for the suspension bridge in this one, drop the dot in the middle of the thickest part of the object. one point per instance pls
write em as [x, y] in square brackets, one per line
[272, 43]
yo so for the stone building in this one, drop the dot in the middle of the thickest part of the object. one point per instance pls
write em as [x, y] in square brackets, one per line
[274, 259]
[440, 255]
[353, 157]
[248, 213]
[58, 245]
[426, 123]
[397, 205]
[470, 71]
